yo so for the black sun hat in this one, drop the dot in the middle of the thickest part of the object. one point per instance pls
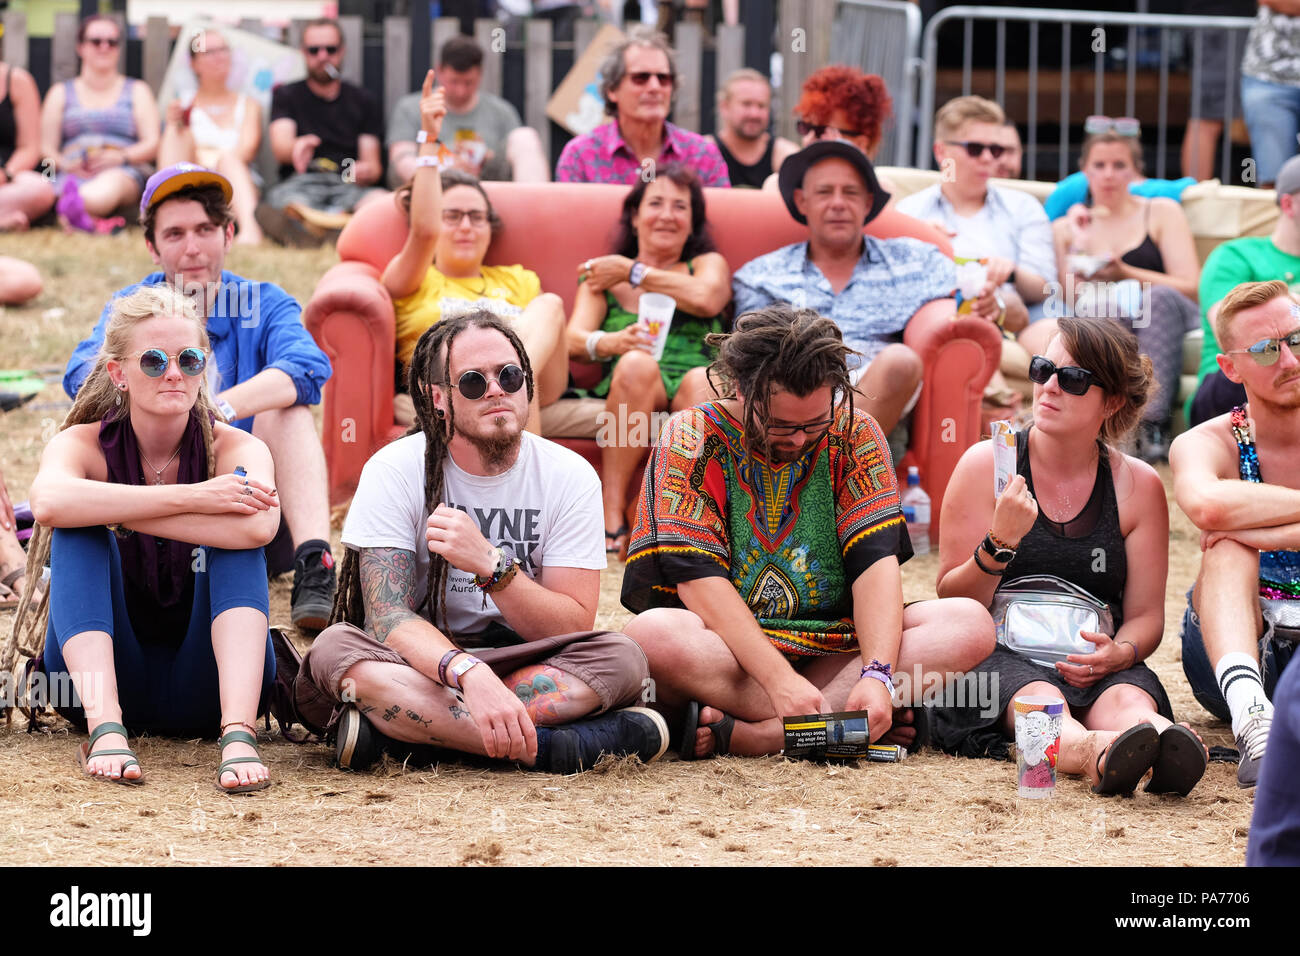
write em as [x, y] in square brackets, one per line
[795, 166]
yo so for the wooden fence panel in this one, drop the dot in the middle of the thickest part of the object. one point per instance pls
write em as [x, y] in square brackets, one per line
[63, 48]
[444, 28]
[537, 79]
[15, 38]
[690, 67]
[354, 49]
[491, 36]
[157, 48]
[397, 60]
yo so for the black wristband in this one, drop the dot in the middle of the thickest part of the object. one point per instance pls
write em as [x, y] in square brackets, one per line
[995, 572]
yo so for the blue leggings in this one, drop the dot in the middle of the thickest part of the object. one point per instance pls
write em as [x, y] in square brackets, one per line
[164, 690]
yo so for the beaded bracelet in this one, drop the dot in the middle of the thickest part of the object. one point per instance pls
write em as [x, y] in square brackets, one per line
[442, 665]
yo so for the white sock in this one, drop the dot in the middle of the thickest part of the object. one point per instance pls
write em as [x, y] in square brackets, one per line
[1242, 687]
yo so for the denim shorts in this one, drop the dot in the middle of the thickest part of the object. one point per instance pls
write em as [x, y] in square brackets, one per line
[1272, 112]
[1275, 650]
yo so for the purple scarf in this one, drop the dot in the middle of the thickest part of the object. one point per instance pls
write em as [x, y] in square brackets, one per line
[158, 566]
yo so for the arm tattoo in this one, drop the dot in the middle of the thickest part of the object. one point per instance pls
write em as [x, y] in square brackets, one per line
[388, 588]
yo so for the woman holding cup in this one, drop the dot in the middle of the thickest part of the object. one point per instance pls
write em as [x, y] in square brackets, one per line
[662, 251]
[1097, 520]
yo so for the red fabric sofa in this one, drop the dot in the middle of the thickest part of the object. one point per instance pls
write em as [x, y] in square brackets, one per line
[552, 227]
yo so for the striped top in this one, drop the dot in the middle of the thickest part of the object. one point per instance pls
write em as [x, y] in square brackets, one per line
[84, 127]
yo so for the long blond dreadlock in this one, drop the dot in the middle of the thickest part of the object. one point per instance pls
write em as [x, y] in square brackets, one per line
[430, 365]
[100, 400]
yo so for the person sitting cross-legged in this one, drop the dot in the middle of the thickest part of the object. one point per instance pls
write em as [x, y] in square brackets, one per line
[474, 559]
[764, 565]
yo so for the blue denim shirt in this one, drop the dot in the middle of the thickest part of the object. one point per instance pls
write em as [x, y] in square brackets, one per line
[892, 279]
[253, 326]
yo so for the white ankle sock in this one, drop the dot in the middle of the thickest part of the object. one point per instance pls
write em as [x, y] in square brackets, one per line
[1242, 686]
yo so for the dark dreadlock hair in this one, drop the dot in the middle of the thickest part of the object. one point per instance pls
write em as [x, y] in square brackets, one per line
[430, 365]
[796, 349]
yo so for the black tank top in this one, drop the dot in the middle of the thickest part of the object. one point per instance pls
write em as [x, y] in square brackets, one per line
[8, 127]
[747, 177]
[1087, 550]
[1145, 255]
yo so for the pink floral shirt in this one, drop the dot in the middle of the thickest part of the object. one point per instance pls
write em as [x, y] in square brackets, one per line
[603, 157]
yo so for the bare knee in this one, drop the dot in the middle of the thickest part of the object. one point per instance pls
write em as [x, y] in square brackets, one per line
[19, 281]
[665, 633]
[899, 368]
[636, 373]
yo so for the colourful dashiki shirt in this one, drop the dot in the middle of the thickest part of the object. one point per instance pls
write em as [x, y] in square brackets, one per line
[1279, 571]
[792, 538]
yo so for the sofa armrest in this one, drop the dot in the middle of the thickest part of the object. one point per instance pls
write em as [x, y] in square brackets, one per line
[350, 316]
[960, 353]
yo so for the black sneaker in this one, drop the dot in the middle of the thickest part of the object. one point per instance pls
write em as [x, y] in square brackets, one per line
[359, 744]
[314, 583]
[577, 746]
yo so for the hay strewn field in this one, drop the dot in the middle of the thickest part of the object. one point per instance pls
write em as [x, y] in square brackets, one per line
[931, 809]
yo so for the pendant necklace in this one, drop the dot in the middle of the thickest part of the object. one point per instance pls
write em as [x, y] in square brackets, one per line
[158, 472]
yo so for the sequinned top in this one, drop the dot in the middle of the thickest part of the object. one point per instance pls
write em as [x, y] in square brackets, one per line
[1279, 571]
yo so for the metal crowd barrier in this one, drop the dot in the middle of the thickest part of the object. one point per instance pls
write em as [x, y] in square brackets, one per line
[1136, 30]
[884, 37]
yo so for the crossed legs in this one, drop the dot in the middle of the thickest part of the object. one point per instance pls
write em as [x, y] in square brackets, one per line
[689, 662]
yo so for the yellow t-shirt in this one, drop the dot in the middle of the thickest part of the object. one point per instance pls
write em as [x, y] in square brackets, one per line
[502, 290]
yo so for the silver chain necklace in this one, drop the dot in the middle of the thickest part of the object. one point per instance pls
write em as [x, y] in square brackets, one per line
[158, 472]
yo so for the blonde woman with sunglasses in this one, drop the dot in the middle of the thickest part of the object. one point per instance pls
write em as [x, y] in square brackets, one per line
[152, 514]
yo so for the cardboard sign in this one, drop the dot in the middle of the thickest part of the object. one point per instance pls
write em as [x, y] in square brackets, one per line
[576, 104]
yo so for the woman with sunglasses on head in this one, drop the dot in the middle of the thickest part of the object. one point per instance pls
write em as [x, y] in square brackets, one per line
[221, 129]
[840, 102]
[101, 130]
[152, 515]
[440, 271]
[1133, 260]
[1096, 519]
[662, 246]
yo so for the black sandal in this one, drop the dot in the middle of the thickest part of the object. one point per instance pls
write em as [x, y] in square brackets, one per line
[611, 537]
[1131, 755]
[1180, 764]
[721, 728]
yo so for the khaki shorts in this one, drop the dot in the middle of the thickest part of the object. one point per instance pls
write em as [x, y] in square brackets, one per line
[610, 663]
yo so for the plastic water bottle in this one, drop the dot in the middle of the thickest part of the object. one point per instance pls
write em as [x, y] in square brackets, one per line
[916, 512]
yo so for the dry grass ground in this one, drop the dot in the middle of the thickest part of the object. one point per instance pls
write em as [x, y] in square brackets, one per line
[930, 809]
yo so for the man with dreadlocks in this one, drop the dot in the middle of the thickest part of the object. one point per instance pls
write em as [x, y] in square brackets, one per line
[474, 559]
[774, 516]
[266, 372]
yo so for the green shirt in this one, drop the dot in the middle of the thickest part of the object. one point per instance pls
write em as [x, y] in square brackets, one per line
[1253, 259]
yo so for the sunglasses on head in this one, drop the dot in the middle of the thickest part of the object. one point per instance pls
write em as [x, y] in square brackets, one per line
[191, 361]
[1267, 351]
[474, 384]
[642, 78]
[1072, 379]
[819, 129]
[975, 150]
[329, 49]
[108, 42]
[1124, 125]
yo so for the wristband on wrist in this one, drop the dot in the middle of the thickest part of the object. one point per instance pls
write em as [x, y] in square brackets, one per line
[637, 273]
[422, 136]
[461, 669]
[593, 340]
[442, 665]
[880, 672]
[996, 572]
[226, 409]
[999, 543]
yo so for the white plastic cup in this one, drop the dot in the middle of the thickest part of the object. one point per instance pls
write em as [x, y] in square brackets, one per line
[1038, 742]
[655, 312]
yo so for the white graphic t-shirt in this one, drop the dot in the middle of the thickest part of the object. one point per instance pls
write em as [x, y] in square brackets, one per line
[546, 510]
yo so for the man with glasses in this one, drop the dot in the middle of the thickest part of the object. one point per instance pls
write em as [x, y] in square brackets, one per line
[869, 287]
[1249, 259]
[473, 565]
[326, 135]
[1006, 228]
[764, 565]
[267, 370]
[1236, 477]
[637, 82]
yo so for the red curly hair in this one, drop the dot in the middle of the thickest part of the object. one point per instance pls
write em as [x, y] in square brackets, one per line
[861, 96]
